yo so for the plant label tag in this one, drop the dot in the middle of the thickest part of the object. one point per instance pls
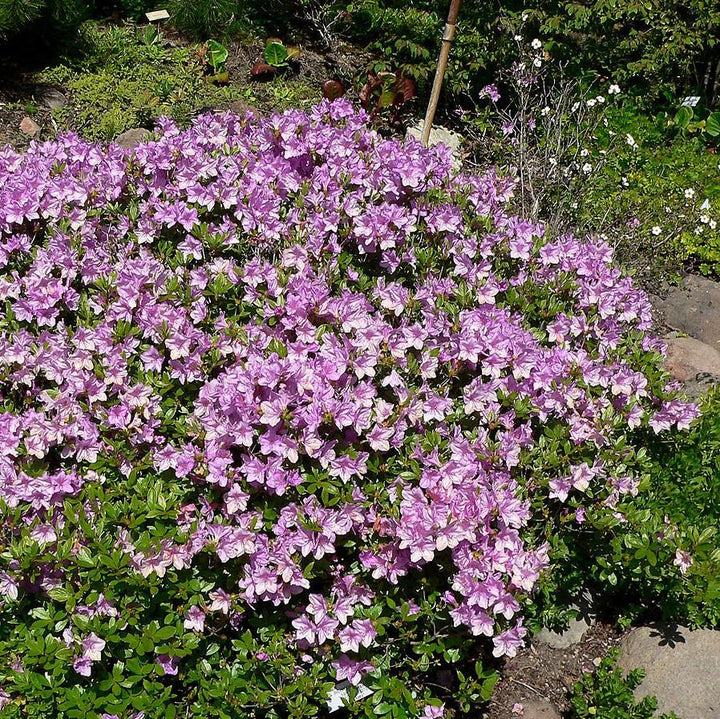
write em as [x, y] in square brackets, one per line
[690, 101]
[156, 15]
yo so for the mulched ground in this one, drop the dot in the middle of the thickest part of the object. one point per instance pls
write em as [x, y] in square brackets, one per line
[541, 673]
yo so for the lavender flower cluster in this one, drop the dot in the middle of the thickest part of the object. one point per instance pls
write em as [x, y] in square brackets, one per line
[360, 337]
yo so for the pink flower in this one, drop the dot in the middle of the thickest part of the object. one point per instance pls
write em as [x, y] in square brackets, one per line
[83, 666]
[169, 664]
[434, 712]
[92, 647]
[350, 669]
[195, 619]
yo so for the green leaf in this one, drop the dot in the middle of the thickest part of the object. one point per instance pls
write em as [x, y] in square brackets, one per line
[683, 117]
[712, 124]
[276, 54]
[217, 54]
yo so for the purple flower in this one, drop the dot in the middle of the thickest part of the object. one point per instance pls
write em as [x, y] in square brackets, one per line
[169, 664]
[491, 92]
[92, 647]
[195, 619]
[83, 666]
[350, 669]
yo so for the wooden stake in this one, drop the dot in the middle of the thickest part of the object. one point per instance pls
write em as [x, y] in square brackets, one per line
[447, 39]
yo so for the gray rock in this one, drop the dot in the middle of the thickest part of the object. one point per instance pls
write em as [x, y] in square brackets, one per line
[682, 668]
[53, 98]
[539, 709]
[29, 127]
[571, 636]
[694, 308]
[687, 357]
[438, 135]
[576, 631]
[133, 137]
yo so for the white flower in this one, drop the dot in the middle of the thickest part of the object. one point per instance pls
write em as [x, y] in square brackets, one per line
[625, 182]
[587, 168]
[545, 111]
[712, 224]
[536, 44]
[584, 152]
[656, 230]
[537, 62]
[600, 99]
[574, 206]
[704, 219]
[630, 140]
[614, 90]
[524, 17]
[518, 38]
[591, 102]
[553, 161]
[689, 193]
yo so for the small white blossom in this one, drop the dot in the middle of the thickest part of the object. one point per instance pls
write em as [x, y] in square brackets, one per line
[600, 99]
[614, 90]
[536, 44]
[630, 140]
[553, 161]
[587, 168]
[537, 62]
[712, 224]
[689, 193]
[584, 152]
[624, 182]
[656, 230]
[704, 219]
[524, 17]
[591, 102]
[545, 111]
[518, 38]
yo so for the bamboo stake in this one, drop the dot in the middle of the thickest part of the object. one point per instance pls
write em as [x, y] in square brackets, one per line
[447, 39]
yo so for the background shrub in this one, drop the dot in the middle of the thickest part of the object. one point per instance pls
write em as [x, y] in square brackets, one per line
[204, 19]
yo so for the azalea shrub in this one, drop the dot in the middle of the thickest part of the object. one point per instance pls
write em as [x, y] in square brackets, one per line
[289, 414]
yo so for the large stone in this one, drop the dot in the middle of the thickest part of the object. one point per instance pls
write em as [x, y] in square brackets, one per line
[687, 357]
[133, 137]
[576, 630]
[694, 308]
[29, 127]
[571, 636]
[693, 363]
[438, 135]
[539, 709]
[682, 668]
[52, 98]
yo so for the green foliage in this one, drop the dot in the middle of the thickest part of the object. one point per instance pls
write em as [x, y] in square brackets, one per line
[662, 561]
[217, 55]
[606, 694]
[122, 82]
[203, 19]
[407, 36]
[276, 54]
[656, 195]
[46, 22]
[657, 49]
